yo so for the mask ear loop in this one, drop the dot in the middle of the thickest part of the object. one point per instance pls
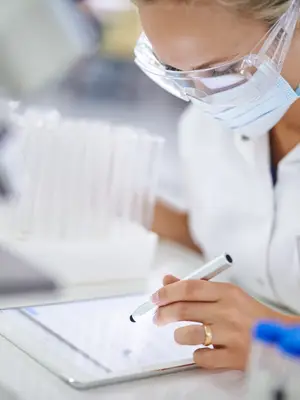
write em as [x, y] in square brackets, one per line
[282, 34]
[286, 26]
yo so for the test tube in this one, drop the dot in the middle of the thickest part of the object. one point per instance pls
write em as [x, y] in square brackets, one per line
[91, 171]
[114, 177]
[66, 168]
[130, 149]
[44, 167]
[264, 367]
[142, 161]
[152, 176]
[100, 157]
[289, 347]
[28, 199]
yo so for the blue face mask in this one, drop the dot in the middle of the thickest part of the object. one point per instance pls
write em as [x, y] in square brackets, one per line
[258, 117]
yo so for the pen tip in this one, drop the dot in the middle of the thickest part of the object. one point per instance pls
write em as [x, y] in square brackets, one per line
[131, 318]
[229, 258]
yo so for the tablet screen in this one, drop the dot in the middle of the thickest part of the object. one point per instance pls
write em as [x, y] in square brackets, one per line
[102, 331]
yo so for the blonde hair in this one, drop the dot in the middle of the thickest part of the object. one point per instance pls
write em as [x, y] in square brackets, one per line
[266, 10]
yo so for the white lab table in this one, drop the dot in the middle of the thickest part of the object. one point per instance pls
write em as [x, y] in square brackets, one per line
[27, 380]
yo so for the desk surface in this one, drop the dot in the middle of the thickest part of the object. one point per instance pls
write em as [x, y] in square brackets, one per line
[28, 381]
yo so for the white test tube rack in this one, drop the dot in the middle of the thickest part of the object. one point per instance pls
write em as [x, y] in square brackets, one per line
[88, 199]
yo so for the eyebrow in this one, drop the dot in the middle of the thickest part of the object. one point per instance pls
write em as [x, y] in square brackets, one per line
[212, 63]
[206, 65]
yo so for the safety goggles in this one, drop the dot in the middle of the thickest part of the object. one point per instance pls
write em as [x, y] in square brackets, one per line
[256, 71]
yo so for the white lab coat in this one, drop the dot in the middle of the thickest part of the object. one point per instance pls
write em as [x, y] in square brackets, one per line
[234, 207]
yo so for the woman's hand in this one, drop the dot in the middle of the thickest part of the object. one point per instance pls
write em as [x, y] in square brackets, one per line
[225, 308]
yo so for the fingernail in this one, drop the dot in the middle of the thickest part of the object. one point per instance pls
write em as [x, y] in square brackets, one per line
[155, 298]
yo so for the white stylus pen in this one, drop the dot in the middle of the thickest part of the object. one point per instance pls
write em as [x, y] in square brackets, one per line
[205, 272]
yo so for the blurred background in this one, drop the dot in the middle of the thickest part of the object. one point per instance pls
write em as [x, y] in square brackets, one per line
[110, 86]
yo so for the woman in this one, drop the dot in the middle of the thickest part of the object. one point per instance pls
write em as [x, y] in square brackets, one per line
[238, 61]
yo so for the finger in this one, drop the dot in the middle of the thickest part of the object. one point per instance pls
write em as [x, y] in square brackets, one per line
[193, 290]
[169, 279]
[194, 335]
[207, 313]
[215, 359]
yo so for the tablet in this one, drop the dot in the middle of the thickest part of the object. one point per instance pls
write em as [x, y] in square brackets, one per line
[93, 343]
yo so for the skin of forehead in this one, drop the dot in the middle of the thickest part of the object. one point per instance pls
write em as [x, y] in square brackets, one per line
[188, 36]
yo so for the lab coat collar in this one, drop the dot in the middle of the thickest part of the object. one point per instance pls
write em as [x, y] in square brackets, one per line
[248, 148]
[251, 148]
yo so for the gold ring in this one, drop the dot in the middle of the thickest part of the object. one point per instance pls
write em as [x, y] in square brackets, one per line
[208, 335]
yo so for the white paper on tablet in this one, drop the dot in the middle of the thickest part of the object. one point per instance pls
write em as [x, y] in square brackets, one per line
[94, 343]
